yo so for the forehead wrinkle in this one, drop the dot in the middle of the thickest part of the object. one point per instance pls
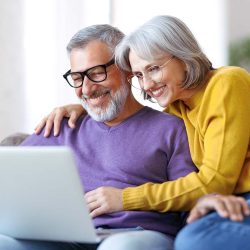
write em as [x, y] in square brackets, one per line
[93, 54]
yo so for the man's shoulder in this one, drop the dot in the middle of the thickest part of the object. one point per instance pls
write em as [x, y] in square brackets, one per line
[65, 132]
[79, 121]
[162, 122]
[163, 116]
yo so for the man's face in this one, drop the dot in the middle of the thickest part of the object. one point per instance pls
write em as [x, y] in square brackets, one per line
[104, 100]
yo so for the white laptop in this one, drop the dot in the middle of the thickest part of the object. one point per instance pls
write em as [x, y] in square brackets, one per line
[41, 196]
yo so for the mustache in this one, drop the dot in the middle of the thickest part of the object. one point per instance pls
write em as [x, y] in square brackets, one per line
[96, 93]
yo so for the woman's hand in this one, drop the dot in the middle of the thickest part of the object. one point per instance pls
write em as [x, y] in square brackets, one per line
[227, 206]
[104, 200]
[54, 119]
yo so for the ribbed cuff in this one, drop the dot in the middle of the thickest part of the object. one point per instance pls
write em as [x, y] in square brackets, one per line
[133, 198]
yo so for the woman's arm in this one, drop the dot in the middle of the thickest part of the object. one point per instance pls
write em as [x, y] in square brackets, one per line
[227, 206]
[219, 143]
[54, 119]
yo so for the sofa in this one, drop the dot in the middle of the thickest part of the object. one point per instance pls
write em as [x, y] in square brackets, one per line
[13, 140]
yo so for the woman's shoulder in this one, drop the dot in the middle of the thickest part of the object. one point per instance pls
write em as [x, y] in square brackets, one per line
[229, 77]
[231, 72]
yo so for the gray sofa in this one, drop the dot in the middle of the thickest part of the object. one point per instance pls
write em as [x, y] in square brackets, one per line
[13, 140]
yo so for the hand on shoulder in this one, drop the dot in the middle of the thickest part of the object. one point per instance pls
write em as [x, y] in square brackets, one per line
[54, 119]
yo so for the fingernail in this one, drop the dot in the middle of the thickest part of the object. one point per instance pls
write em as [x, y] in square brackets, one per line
[238, 217]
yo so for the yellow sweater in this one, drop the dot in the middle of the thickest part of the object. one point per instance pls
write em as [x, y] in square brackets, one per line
[217, 120]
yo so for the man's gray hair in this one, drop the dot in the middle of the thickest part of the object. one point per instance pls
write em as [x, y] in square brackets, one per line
[164, 35]
[102, 32]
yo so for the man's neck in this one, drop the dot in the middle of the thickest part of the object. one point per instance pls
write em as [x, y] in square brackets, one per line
[131, 107]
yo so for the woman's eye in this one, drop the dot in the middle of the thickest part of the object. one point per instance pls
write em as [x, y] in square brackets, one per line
[139, 76]
[153, 69]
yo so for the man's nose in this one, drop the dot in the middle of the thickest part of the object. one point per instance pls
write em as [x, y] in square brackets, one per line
[86, 87]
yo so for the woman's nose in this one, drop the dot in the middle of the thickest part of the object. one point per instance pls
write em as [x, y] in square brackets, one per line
[147, 83]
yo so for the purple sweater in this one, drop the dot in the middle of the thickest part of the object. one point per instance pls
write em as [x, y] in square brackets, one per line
[149, 146]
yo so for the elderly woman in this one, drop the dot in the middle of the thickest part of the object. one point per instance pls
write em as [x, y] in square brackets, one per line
[168, 65]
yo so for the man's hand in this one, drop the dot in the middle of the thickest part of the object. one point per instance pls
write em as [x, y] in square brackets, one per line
[54, 119]
[104, 200]
[227, 206]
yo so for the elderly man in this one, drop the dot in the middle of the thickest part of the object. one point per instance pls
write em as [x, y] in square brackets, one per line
[119, 143]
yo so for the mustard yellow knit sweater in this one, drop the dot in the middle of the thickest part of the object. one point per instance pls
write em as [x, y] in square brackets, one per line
[217, 120]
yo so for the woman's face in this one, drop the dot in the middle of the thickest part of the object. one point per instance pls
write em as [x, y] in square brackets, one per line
[160, 79]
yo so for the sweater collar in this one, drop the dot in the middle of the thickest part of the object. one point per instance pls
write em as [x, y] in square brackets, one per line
[195, 99]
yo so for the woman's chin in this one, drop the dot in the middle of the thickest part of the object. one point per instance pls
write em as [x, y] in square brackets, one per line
[163, 102]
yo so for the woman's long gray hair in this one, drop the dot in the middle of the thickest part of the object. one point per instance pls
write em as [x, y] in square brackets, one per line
[161, 36]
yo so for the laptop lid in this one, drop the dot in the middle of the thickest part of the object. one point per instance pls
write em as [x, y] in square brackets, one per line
[42, 196]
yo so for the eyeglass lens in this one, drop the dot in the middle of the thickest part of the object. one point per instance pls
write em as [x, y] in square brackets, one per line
[152, 74]
[96, 74]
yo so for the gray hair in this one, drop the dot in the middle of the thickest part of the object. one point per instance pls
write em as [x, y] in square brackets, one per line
[164, 35]
[105, 33]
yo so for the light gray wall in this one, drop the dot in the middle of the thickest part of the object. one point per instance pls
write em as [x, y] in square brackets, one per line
[238, 19]
[33, 57]
[12, 110]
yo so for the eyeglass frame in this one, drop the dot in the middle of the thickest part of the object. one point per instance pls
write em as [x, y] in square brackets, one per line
[85, 73]
[147, 76]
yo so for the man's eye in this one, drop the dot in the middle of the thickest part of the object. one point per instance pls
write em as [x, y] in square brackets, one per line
[96, 74]
[76, 78]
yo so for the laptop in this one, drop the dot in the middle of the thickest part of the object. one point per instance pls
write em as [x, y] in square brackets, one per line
[42, 196]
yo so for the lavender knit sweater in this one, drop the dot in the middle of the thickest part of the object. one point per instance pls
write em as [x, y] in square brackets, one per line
[149, 146]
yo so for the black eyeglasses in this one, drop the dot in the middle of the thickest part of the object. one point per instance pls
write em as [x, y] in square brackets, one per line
[95, 74]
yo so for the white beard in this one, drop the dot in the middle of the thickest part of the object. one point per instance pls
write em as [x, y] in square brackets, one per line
[114, 107]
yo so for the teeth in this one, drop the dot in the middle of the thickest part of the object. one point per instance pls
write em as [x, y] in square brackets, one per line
[98, 97]
[157, 91]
